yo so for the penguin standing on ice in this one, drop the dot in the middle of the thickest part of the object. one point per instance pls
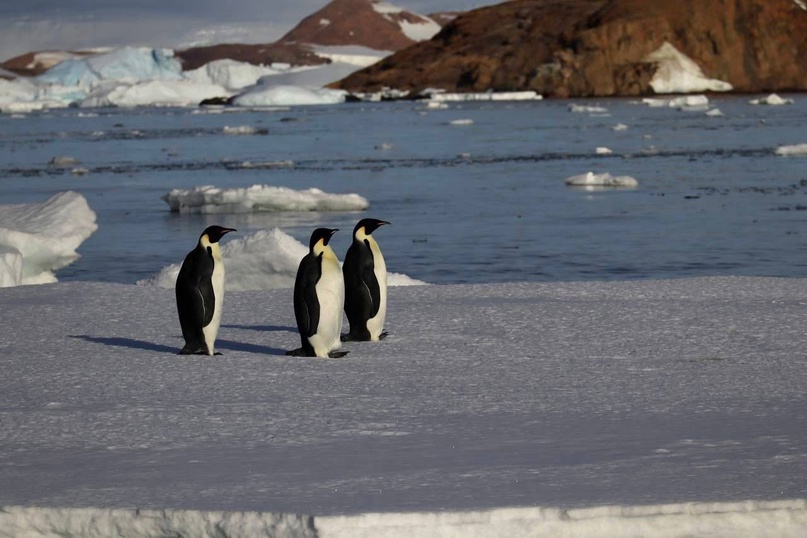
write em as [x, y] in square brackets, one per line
[365, 284]
[319, 297]
[200, 293]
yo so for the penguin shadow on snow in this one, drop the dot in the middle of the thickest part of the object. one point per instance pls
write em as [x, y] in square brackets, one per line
[261, 328]
[232, 345]
[131, 343]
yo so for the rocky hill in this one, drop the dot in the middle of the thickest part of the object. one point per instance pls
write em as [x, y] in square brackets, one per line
[602, 47]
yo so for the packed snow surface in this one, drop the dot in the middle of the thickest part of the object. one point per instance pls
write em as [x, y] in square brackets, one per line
[605, 179]
[665, 408]
[257, 198]
[677, 73]
[264, 260]
[37, 239]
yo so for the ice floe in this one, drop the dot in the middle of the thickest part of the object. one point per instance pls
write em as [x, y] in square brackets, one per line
[266, 259]
[257, 198]
[771, 99]
[267, 94]
[590, 179]
[684, 102]
[677, 73]
[792, 150]
[37, 239]
[440, 97]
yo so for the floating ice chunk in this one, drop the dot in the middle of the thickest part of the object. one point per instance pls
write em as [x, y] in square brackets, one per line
[686, 102]
[257, 198]
[677, 73]
[46, 234]
[620, 127]
[486, 96]
[714, 113]
[285, 95]
[436, 105]
[603, 151]
[243, 130]
[463, 121]
[587, 109]
[772, 99]
[794, 150]
[266, 259]
[62, 161]
[590, 179]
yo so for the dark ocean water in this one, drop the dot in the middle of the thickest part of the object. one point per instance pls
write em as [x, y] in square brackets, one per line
[484, 202]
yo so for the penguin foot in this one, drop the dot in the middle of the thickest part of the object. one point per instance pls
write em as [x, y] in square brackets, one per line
[383, 335]
[355, 337]
[299, 352]
[337, 354]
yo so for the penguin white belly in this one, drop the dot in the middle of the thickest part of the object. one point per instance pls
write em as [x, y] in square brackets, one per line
[375, 325]
[331, 296]
[212, 329]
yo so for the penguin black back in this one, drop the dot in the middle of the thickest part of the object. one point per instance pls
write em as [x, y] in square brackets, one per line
[365, 277]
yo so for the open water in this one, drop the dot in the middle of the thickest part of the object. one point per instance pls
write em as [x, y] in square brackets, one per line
[480, 202]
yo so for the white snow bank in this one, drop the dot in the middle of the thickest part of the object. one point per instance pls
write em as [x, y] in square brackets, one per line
[440, 97]
[257, 198]
[40, 238]
[264, 260]
[792, 150]
[590, 179]
[772, 99]
[354, 55]
[425, 27]
[779, 519]
[265, 93]
[677, 73]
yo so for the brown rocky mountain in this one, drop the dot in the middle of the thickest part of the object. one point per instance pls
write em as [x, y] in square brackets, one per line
[601, 47]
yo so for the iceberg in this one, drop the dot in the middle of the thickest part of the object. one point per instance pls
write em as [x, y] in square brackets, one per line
[150, 93]
[230, 74]
[266, 94]
[677, 73]
[264, 260]
[39, 238]
[440, 97]
[138, 63]
[258, 198]
[590, 179]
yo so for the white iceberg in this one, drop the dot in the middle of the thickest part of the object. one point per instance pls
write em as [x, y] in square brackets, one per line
[230, 74]
[138, 63]
[264, 260]
[151, 93]
[677, 73]
[771, 99]
[590, 179]
[792, 150]
[440, 97]
[208, 199]
[267, 94]
[39, 238]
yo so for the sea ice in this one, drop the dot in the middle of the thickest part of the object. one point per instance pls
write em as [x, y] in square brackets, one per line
[209, 199]
[677, 73]
[771, 99]
[437, 97]
[792, 150]
[266, 259]
[46, 236]
[590, 179]
[265, 93]
[587, 109]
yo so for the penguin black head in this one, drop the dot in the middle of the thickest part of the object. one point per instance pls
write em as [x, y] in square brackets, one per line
[369, 225]
[215, 233]
[321, 234]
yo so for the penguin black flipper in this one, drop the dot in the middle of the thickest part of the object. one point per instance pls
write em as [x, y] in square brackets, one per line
[306, 303]
[195, 299]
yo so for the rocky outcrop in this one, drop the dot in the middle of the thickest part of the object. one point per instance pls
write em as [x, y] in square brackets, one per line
[601, 47]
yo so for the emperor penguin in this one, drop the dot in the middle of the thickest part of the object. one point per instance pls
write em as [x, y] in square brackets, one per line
[365, 276]
[319, 297]
[200, 293]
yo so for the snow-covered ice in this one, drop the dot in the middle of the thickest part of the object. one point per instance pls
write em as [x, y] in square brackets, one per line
[257, 198]
[267, 93]
[138, 63]
[36, 239]
[793, 150]
[264, 260]
[685, 102]
[666, 408]
[440, 97]
[587, 109]
[677, 73]
[605, 179]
